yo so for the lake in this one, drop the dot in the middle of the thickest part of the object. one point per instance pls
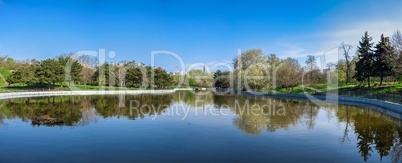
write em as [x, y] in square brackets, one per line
[184, 127]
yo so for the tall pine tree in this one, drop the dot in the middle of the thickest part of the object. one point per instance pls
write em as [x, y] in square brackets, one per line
[365, 64]
[385, 58]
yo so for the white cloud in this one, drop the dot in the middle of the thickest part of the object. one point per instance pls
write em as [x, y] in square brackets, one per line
[327, 41]
[344, 23]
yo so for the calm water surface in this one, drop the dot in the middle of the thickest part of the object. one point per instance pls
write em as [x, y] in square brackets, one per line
[188, 127]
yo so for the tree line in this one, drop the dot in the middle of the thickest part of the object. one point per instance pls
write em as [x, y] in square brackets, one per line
[382, 60]
[254, 70]
[86, 71]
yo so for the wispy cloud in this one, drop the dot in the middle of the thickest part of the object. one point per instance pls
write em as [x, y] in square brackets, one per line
[345, 23]
[327, 40]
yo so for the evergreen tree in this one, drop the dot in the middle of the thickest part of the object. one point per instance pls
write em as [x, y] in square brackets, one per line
[134, 77]
[162, 79]
[385, 58]
[75, 69]
[50, 71]
[217, 82]
[102, 79]
[365, 64]
[221, 79]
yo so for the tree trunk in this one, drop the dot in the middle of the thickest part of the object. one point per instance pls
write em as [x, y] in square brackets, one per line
[381, 80]
[368, 81]
[311, 77]
[347, 76]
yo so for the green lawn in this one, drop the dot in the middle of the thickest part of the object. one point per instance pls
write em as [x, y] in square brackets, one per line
[388, 92]
[5, 73]
[57, 87]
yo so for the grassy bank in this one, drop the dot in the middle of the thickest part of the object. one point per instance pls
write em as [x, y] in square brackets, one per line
[388, 92]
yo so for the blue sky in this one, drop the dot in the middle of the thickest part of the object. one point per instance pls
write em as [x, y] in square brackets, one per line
[199, 31]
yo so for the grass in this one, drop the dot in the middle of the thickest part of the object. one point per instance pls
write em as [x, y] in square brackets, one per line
[57, 87]
[5, 73]
[388, 92]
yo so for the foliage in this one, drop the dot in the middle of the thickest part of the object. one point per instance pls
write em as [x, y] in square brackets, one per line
[162, 79]
[290, 74]
[104, 75]
[384, 59]
[365, 64]
[135, 77]
[6, 73]
[222, 79]
[199, 78]
[252, 69]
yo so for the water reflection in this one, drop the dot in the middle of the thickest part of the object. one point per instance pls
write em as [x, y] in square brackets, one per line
[375, 132]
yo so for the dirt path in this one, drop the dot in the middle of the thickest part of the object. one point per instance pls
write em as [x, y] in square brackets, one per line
[2, 78]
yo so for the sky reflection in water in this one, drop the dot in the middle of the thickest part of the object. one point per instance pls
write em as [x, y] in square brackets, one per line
[187, 127]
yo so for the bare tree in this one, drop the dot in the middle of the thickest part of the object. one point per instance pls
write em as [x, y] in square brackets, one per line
[311, 65]
[396, 41]
[86, 75]
[88, 63]
[345, 48]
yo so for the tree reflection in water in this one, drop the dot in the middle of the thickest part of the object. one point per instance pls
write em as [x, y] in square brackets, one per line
[373, 130]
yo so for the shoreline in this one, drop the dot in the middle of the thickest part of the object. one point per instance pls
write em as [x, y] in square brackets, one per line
[389, 108]
[13, 95]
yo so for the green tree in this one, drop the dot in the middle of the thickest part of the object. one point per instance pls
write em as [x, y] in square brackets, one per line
[384, 55]
[289, 74]
[196, 77]
[162, 79]
[104, 75]
[50, 71]
[14, 78]
[341, 71]
[10, 64]
[252, 66]
[73, 67]
[24, 74]
[273, 63]
[365, 64]
[221, 79]
[135, 76]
